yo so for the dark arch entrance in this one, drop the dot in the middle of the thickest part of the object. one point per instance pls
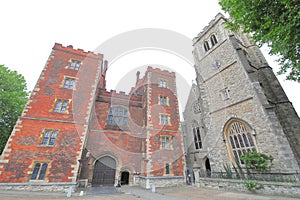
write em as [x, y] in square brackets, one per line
[207, 167]
[104, 171]
[125, 178]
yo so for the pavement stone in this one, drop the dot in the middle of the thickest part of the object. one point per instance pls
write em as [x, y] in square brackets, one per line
[138, 193]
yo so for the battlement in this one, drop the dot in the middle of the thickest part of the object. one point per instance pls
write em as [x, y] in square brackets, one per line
[81, 52]
[157, 70]
[208, 27]
[121, 95]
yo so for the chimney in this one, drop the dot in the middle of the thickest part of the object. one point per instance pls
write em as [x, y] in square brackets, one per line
[137, 77]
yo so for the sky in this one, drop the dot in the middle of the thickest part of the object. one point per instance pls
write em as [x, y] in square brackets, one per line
[29, 29]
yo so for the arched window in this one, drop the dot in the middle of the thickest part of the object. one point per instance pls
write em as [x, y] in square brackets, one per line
[213, 40]
[117, 116]
[197, 135]
[206, 46]
[239, 139]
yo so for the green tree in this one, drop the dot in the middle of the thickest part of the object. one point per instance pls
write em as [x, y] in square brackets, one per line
[13, 97]
[256, 161]
[275, 23]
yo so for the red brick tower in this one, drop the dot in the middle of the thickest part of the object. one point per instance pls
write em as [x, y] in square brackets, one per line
[48, 139]
[73, 129]
[163, 157]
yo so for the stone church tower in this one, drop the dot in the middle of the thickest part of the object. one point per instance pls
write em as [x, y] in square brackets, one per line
[237, 105]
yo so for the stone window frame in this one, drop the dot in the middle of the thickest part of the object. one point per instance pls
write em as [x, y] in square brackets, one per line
[74, 64]
[213, 39]
[162, 119]
[48, 140]
[61, 106]
[196, 107]
[163, 142]
[67, 86]
[197, 138]
[163, 83]
[110, 116]
[163, 100]
[37, 173]
[168, 167]
[224, 93]
[206, 46]
[239, 138]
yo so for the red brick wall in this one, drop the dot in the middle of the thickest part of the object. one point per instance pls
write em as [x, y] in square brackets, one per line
[24, 147]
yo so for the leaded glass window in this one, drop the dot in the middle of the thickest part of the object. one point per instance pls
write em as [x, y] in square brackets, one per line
[117, 116]
[239, 139]
[39, 171]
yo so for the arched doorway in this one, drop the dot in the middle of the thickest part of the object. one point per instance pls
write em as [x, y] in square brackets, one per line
[104, 171]
[207, 167]
[125, 178]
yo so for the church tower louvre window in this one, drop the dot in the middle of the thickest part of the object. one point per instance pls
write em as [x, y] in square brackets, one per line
[206, 46]
[213, 40]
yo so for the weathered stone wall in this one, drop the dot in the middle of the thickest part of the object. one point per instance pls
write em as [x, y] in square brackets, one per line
[36, 187]
[229, 66]
[163, 181]
[269, 188]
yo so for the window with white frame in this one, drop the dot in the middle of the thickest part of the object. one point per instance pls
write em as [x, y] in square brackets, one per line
[163, 83]
[166, 142]
[164, 119]
[163, 100]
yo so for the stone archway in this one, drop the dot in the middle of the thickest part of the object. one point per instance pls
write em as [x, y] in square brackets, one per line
[207, 168]
[104, 171]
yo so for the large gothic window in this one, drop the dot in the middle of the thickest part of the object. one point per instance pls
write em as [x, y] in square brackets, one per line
[239, 139]
[117, 116]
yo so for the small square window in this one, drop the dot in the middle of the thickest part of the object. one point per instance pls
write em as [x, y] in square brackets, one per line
[163, 100]
[39, 171]
[75, 65]
[61, 106]
[163, 83]
[69, 83]
[225, 94]
[49, 137]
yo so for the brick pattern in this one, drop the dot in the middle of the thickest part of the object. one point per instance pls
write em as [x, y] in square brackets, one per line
[83, 134]
[24, 146]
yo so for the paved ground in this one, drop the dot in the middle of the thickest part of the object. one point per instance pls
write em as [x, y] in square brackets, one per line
[133, 193]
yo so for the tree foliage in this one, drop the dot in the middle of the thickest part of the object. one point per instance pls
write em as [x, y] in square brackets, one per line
[13, 97]
[275, 23]
[256, 161]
